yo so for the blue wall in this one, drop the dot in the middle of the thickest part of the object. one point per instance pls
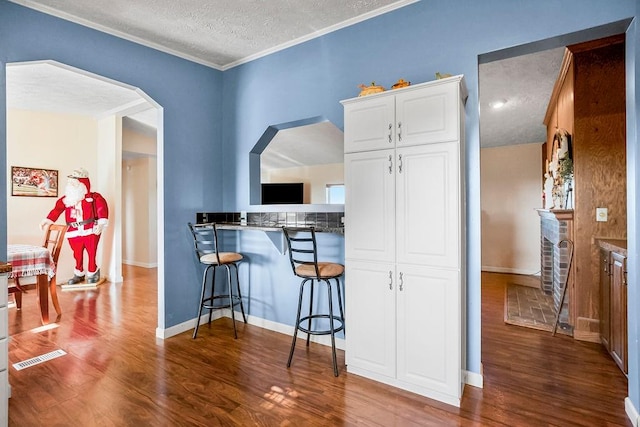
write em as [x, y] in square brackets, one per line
[411, 43]
[191, 95]
[213, 119]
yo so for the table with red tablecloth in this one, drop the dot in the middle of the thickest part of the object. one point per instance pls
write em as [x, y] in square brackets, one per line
[30, 260]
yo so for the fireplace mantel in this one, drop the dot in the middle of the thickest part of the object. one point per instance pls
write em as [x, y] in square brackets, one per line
[559, 214]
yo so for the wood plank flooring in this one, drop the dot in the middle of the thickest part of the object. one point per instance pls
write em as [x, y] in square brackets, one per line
[116, 373]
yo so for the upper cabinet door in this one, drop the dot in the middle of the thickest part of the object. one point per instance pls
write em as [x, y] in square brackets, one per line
[369, 124]
[428, 115]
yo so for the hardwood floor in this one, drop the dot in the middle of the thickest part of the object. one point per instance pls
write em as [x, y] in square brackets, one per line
[116, 373]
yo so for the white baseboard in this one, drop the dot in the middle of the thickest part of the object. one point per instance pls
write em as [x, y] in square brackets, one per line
[632, 412]
[140, 264]
[510, 270]
[474, 379]
[252, 320]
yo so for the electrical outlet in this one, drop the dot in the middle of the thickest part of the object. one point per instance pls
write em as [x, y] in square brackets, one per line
[601, 214]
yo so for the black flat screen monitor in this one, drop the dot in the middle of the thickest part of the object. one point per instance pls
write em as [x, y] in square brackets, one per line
[290, 193]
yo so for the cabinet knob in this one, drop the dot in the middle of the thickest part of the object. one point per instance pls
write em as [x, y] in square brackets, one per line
[390, 164]
[401, 282]
[399, 131]
[390, 280]
[390, 133]
[399, 163]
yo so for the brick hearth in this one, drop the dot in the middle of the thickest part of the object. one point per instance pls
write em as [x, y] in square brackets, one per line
[556, 226]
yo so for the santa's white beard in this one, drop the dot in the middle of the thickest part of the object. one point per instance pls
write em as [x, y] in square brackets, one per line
[73, 194]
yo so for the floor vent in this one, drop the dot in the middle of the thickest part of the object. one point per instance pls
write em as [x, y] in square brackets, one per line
[38, 359]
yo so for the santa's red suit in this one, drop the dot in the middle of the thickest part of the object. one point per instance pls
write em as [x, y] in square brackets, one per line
[86, 218]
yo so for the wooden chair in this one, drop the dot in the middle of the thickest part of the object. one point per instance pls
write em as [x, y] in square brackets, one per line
[53, 238]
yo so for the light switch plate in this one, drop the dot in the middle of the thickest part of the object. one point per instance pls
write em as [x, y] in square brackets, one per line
[601, 214]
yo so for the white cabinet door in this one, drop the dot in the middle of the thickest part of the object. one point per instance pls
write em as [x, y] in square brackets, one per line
[427, 115]
[429, 330]
[369, 124]
[370, 206]
[371, 316]
[428, 206]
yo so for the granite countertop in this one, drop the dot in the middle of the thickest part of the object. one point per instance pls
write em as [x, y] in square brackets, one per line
[238, 226]
[613, 245]
[5, 267]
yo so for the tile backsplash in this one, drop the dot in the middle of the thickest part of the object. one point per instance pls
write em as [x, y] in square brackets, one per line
[277, 219]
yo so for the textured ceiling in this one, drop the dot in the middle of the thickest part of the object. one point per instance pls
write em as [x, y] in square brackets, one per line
[218, 33]
[48, 86]
[223, 33]
[525, 83]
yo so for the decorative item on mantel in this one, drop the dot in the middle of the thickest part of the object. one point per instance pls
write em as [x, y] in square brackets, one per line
[370, 90]
[442, 75]
[400, 84]
[558, 185]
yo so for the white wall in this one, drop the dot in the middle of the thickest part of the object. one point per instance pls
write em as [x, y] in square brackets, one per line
[139, 212]
[139, 199]
[50, 141]
[315, 179]
[511, 190]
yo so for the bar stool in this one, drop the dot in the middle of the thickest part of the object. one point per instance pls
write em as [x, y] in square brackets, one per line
[205, 240]
[303, 254]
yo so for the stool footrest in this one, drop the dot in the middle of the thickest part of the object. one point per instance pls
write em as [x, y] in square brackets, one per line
[322, 331]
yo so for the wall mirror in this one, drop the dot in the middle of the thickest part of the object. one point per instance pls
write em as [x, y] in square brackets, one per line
[298, 162]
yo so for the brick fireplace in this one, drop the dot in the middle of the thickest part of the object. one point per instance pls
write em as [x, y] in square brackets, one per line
[556, 226]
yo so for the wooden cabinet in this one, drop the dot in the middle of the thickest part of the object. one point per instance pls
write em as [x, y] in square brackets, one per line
[618, 313]
[613, 304]
[403, 239]
[605, 297]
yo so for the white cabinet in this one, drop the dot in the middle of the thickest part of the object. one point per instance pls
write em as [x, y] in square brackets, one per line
[370, 186]
[415, 115]
[404, 239]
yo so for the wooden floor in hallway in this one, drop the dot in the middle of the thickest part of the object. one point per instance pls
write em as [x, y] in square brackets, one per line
[117, 373]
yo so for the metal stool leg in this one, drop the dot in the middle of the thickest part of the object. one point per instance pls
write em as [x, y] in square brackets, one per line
[340, 300]
[332, 329]
[233, 312]
[244, 317]
[310, 311]
[297, 324]
[204, 286]
[213, 289]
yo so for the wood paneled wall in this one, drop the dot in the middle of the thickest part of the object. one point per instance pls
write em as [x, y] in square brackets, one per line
[589, 102]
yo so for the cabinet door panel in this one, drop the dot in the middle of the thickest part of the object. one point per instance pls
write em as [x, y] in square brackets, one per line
[369, 125]
[370, 305]
[428, 206]
[429, 328]
[605, 293]
[370, 206]
[427, 115]
[618, 337]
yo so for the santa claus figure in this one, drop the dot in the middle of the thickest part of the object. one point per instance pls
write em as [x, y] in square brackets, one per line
[86, 214]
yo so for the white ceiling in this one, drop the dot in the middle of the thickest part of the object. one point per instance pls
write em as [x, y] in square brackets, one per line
[315, 144]
[217, 33]
[224, 33]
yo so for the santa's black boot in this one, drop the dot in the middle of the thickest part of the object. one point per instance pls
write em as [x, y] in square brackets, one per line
[94, 278]
[76, 279]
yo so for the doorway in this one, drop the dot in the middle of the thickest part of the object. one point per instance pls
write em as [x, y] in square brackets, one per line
[527, 166]
[53, 123]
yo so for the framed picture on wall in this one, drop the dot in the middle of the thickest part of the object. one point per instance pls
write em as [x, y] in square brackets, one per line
[34, 182]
